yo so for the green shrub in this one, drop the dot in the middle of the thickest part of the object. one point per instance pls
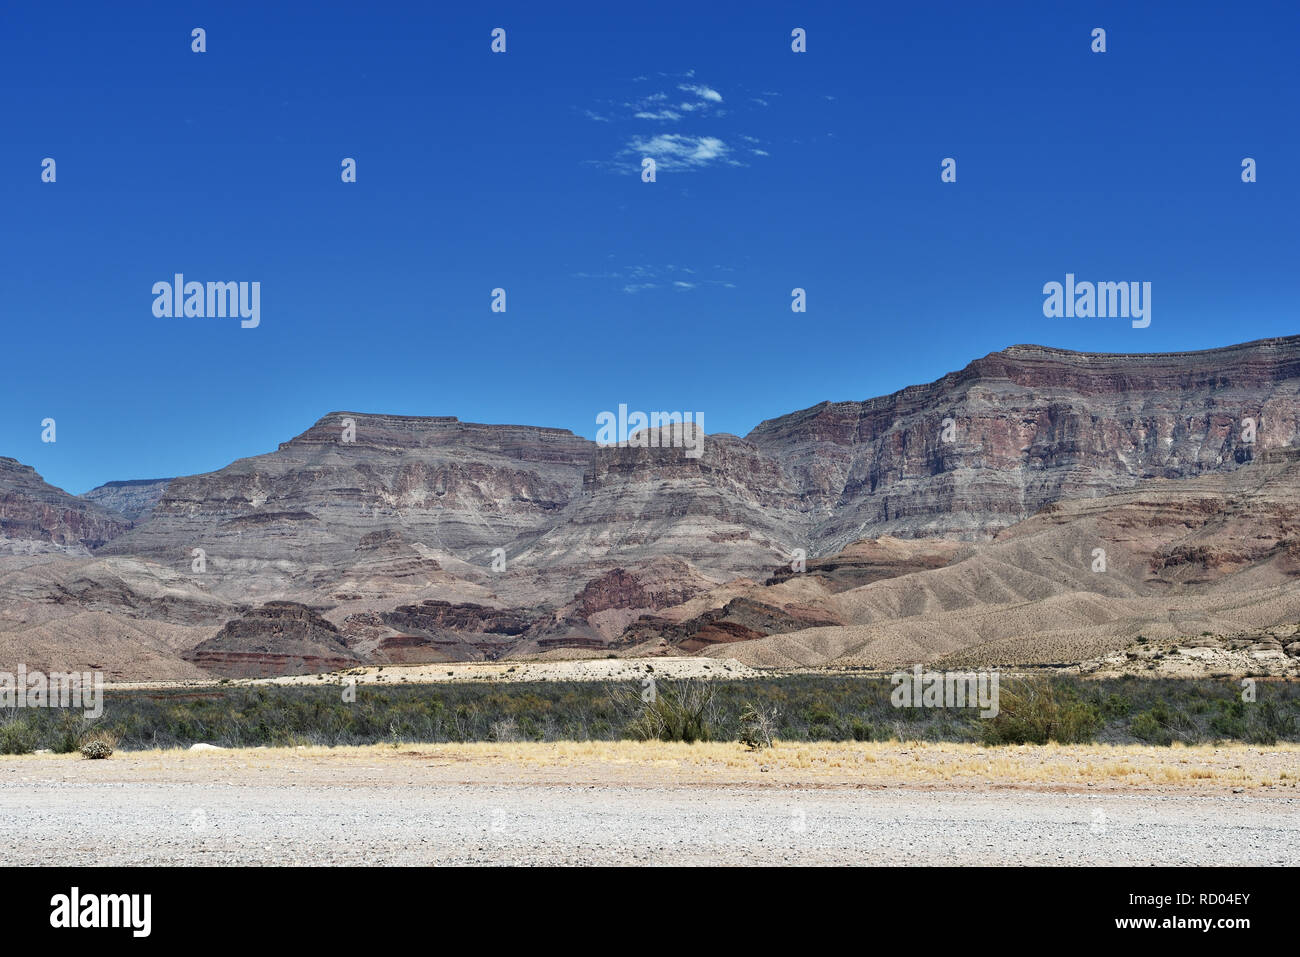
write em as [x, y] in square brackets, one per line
[840, 707]
[683, 711]
[1116, 706]
[67, 736]
[1268, 722]
[1228, 725]
[1149, 727]
[17, 737]
[1164, 724]
[1036, 710]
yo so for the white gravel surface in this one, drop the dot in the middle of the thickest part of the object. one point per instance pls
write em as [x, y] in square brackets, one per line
[49, 820]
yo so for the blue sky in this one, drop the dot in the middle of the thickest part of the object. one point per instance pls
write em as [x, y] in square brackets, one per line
[521, 170]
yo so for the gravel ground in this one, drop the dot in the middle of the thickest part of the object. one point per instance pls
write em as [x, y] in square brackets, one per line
[494, 672]
[372, 809]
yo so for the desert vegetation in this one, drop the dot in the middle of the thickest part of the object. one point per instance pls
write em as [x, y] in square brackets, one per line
[754, 712]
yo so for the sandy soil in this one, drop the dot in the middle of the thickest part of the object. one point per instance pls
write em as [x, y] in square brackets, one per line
[628, 803]
[586, 669]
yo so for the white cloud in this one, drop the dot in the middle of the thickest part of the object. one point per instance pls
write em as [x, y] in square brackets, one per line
[682, 100]
[654, 106]
[640, 278]
[675, 151]
[702, 91]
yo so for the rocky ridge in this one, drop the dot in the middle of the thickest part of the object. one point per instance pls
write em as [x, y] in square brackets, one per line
[428, 538]
[33, 511]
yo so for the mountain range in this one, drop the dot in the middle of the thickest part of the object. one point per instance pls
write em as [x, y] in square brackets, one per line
[955, 521]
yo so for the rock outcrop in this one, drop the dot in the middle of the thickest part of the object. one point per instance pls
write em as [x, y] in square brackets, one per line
[279, 638]
[1028, 426]
[134, 499]
[33, 511]
[741, 619]
[862, 563]
[451, 486]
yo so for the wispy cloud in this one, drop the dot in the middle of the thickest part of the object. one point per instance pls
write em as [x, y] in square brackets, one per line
[703, 92]
[700, 136]
[643, 278]
[656, 106]
[658, 115]
[676, 151]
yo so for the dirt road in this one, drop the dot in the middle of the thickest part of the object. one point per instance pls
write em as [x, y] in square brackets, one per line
[619, 805]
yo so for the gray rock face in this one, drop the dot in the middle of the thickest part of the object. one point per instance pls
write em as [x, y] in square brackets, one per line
[32, 510]
[134, 499]
[963, 457]
[453, 487]
[1030, 425]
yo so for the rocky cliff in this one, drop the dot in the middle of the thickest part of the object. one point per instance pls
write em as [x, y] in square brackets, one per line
[427, 538]
[982, 448]
[34, 513]
[455, 487]
[965, 456]
[134, 499]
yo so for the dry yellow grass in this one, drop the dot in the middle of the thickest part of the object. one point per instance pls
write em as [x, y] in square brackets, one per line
[821, 764]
